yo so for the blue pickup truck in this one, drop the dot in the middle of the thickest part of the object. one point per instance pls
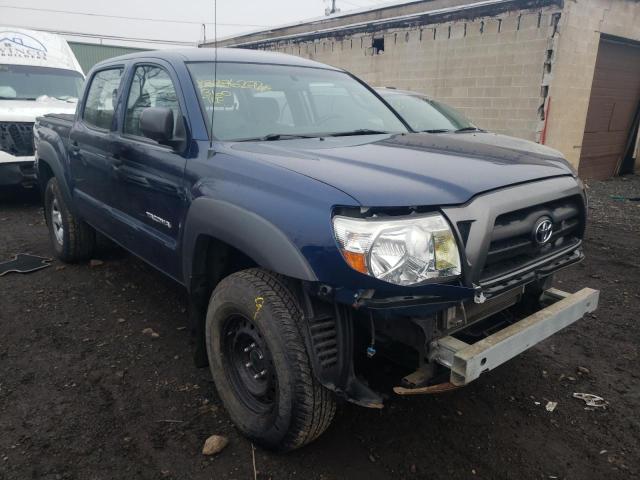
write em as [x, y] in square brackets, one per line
[320, 239]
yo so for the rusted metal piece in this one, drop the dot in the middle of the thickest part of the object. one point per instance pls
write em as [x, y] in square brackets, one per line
[543, 135]
[438, 388]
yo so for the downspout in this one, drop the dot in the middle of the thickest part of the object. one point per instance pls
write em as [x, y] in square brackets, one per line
[543, 135]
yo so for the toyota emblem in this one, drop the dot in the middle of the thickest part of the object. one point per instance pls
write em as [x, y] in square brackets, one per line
[542, 230]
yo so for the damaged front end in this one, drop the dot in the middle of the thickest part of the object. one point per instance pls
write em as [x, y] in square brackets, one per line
[439, 324]
[432, 353]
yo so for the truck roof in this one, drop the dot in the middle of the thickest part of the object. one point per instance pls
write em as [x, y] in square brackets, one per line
[240, 55]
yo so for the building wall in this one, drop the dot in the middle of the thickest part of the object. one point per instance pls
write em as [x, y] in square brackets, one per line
[492, 69]
[580, 27]
[88, 54]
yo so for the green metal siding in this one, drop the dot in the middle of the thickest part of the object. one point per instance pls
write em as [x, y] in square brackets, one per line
[88, 54]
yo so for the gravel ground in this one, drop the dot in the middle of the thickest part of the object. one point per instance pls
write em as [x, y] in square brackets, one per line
[84, 394]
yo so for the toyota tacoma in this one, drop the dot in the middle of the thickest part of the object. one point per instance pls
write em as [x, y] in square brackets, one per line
[320, 238]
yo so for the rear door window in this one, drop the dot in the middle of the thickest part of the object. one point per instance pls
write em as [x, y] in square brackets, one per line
[101, 99]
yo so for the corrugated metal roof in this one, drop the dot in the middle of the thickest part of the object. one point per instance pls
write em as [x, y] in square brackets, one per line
[88, 54]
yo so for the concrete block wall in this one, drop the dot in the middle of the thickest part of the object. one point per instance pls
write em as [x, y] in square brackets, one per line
[491, 68]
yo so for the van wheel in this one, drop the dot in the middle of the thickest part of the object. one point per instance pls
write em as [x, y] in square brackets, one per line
[71, 238]
[260, 364]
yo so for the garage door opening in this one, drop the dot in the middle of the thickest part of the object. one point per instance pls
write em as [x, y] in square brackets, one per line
[613, 107]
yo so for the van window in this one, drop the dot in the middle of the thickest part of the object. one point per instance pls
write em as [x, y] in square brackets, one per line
[151, 87]
[27, 82]
[102, 97]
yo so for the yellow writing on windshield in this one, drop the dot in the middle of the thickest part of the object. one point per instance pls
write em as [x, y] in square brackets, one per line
[223, 97]
[231, 83]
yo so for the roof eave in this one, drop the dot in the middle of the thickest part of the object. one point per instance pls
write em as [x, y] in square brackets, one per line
[468, 11]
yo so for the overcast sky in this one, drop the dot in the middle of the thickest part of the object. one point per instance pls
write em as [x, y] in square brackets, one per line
[166, 20]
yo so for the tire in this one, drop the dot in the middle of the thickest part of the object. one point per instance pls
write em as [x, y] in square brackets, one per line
[252, 328]
[72, 239]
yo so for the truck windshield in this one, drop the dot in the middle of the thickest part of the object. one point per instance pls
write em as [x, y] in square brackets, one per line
[426, 115]
[277, 102]
[27, 82]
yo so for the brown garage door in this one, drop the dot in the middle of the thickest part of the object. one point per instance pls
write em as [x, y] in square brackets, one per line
[615, 96]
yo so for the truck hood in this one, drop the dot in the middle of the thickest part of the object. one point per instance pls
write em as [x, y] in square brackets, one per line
[415, 168]
[29, 110]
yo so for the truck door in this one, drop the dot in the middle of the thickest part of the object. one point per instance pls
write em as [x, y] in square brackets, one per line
[91, 148]
[149, 192]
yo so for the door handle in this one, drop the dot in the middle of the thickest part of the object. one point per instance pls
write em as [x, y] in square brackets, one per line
[116, 159]
[75, 148]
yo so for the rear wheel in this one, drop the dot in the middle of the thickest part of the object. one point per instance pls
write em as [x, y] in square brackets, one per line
[260, 363]
[72, 239]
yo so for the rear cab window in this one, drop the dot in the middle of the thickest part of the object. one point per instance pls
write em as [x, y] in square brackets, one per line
[101, 99]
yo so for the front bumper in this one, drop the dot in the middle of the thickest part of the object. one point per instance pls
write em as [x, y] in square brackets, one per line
[20, 172]
[468, 362]
[427, 299]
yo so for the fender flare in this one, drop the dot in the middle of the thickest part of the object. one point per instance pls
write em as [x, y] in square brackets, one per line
[47, 154]
[253, 235]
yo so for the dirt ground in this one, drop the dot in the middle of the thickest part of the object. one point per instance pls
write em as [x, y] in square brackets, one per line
[84, 394]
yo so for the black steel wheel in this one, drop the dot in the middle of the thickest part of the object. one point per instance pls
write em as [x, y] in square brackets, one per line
[259, 362]
[248, 364]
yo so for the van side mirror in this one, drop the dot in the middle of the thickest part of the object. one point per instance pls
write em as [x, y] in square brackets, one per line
[157, 123]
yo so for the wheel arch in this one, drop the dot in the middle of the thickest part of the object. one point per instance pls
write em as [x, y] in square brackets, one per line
[220, 239]
[213, 222]
[48, 165]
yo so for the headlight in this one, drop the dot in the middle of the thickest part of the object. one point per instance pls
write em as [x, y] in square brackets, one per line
[403, 251]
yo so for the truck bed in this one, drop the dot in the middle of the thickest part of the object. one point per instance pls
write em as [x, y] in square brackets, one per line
[64, 118]
[60, 123]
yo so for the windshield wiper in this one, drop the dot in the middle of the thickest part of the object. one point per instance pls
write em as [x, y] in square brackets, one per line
[468, 129]
[360, 131]
[436, 130]
[276, 136]
[288, 136]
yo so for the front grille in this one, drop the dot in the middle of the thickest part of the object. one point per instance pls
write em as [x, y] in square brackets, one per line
[16, 138]
[513, 245]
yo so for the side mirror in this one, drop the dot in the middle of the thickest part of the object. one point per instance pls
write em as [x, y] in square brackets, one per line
[157, 123]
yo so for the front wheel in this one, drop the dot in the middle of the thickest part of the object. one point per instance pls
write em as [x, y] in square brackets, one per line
[72, 239]
[260, 364]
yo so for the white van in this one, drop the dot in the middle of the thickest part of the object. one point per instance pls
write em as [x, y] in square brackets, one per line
[39, 74]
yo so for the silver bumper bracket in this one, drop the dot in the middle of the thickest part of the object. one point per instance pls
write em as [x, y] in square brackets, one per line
[468, 362]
